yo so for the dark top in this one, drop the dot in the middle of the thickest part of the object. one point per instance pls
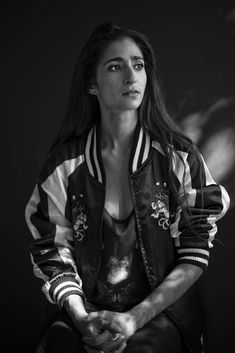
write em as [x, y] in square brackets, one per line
[122, 281]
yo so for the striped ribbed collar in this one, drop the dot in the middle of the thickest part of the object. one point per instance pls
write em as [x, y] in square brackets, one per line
[139, 152]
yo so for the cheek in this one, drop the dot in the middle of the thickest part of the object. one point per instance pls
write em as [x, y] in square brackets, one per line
[106, 92]
[107, 88]
[144, 79]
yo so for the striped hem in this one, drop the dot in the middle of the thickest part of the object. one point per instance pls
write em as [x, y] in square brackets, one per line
[63, 286]
[194, 256]
[199, 251]
[66, 293]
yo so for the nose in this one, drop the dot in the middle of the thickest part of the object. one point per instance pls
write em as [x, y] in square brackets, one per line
[130, 76]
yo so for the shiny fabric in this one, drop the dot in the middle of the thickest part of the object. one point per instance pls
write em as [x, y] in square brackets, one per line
[65, 215]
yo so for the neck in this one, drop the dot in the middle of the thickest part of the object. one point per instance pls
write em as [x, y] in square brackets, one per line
[117, 130]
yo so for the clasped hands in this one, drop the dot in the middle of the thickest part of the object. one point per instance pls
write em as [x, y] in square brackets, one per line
[107, 331]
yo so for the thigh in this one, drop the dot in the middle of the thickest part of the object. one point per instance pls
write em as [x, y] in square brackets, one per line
[62, 337]
[159, 335]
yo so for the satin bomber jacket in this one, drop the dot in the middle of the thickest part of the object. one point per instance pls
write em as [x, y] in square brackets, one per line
[65, 212]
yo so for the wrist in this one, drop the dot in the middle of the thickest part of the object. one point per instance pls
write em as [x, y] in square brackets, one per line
[141, 314]
[74, 306]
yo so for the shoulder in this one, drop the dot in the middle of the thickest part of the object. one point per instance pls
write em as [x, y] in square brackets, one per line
[176, 149]
[181, 156]
[187, 155]
[67, 155]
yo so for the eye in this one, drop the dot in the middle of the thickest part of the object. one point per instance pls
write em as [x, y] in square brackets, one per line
[115, 67]
[139, 66]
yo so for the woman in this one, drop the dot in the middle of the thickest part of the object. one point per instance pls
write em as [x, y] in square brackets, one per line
[123, 214]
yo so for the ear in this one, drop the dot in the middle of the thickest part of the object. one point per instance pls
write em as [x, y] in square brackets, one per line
[92, 90]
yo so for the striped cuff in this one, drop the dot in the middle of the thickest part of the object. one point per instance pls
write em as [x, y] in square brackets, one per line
[194, 256]
[63, 286]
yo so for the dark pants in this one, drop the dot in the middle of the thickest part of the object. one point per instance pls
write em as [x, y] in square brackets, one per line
[159, 335]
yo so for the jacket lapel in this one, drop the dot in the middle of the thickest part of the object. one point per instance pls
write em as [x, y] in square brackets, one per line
[93, 155]
[139, 152]
[140, 149]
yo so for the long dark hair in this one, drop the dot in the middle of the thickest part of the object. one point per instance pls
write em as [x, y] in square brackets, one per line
[83, 109]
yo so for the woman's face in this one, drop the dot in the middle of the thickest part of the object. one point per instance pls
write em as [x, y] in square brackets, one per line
[121, 77]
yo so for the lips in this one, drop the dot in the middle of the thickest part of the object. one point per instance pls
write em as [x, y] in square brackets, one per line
[131, 91]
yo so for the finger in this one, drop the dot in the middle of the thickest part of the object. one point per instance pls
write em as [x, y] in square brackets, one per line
[114, 345]
[98, 339]
[95, 314]
[91, 316]
[112, 325]
[98, 325]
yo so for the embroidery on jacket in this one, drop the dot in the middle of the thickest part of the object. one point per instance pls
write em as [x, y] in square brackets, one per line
[79, 218]
[161, 205]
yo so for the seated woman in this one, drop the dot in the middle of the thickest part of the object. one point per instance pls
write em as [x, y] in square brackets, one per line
[124, 211]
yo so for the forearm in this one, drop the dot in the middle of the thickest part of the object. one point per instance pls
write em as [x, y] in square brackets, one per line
[74, 306]
[179, 280]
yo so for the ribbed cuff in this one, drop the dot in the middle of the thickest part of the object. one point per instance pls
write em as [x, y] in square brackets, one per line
[63, 286]
[194, 256]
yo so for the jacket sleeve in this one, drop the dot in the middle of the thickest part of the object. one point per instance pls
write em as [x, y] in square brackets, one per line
[52, 249]
[202, 202]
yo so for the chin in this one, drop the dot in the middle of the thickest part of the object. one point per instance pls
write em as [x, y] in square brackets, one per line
[130, 106]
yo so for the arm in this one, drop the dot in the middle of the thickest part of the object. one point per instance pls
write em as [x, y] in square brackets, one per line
[74, 306]
[193, 231]
[179, 280]
[52, 249]
[49, 219]
[100, 332]
[202, 203]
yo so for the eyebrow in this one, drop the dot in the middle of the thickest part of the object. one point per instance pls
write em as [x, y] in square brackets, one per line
[118, 58]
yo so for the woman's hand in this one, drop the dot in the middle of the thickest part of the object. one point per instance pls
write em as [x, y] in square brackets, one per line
[75, 308]
[106, 342]
[121, 326]
[88, 328]
[93, 327]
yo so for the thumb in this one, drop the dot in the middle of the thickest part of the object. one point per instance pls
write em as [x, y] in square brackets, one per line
[91, 316]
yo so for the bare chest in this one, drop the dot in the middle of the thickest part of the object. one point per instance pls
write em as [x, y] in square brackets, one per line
[118, 201]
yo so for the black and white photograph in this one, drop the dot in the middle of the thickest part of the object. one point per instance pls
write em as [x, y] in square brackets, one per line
[118, 157]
